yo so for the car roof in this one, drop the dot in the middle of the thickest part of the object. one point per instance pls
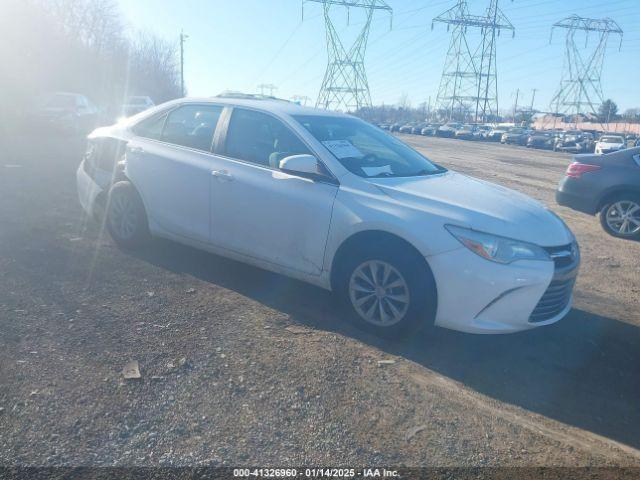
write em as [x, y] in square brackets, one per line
[268, 104]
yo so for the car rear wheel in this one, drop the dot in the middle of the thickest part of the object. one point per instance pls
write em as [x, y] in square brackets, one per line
[387, 290]
[621, 217]
[126, 218]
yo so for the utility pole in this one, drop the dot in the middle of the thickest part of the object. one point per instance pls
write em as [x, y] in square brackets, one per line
[345, 84]
[515, 107]
[533, 97]
[183, 37]
[267, 86]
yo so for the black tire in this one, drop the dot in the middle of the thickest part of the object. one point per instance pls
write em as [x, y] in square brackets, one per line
[609, 204]
[123, 197]
[418, 277]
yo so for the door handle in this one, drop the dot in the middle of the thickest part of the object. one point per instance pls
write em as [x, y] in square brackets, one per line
[223, 174]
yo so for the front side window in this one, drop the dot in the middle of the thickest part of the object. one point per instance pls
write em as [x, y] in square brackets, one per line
[192, 126]
[365, 150]
[259, 138]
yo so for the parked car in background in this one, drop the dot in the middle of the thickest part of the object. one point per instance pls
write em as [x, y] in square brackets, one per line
[482, 131]
[137, 104]
[448, 130]
[430, 130]
[394, 235]
[384, 126]
[607, 184]
[68, 112]
[516, 136]
[575, 141]
[417, 129]
[610, 143]
[631, 139]
[541, 139]
[406, 128]
[495, 135]
[466, 132]
[394, 127]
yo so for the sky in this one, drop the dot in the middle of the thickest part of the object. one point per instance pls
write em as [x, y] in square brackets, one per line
[239, 44]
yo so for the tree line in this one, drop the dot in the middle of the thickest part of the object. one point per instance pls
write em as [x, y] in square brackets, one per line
[81, 46]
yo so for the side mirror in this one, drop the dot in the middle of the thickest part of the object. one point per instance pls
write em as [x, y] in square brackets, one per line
[306, 166]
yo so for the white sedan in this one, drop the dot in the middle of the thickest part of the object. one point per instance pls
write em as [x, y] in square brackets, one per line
[610, 143]
[331, 200]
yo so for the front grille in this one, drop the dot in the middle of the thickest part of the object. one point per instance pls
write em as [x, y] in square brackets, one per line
[558, 294]
[554, 300]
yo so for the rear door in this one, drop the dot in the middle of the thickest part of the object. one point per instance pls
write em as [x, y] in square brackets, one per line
[258, 210]
[170, 163]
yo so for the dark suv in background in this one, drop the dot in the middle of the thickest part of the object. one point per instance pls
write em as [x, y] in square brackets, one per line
[608, 184]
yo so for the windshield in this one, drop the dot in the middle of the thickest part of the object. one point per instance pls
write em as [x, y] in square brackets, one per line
[611, 139]
[365, 150]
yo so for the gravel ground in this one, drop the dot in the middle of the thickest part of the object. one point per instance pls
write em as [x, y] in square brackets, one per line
[243, 367]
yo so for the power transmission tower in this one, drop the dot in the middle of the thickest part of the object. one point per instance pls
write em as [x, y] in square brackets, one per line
[469, 80]
[345, 83]
[267, 86]
[580, 88]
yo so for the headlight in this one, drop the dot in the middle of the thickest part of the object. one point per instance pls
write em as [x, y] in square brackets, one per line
[495, 248]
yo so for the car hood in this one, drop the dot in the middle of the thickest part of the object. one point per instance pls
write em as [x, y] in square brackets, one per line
[480, 205]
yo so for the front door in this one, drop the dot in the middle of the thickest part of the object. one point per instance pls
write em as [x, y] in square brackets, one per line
[258, 210]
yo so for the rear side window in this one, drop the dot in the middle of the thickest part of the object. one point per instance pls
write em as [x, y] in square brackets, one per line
[192, 126]
[259, 138]
[151, 127]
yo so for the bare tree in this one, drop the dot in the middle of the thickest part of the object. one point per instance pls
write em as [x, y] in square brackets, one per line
[80, 46]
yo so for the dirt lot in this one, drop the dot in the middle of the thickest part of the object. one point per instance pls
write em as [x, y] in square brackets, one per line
[241, 366]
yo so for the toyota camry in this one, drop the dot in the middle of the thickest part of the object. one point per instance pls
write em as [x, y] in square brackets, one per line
[328, 199]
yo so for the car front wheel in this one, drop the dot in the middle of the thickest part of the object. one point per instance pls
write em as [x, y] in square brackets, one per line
[388, 291]
[621, 217]
[126, 218]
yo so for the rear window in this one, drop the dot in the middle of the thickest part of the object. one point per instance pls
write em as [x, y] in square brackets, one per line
[192, 126]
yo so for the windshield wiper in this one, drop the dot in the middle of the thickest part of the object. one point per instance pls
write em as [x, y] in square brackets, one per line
[383, 174]
[425, 172]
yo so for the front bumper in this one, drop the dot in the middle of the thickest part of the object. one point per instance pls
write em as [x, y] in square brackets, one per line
[479, 296]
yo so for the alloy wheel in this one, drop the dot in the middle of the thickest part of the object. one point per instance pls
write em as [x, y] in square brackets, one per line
[623, 217]
[379, 293]
[123, 216]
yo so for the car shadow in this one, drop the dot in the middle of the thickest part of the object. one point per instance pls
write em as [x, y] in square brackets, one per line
[583, 371]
